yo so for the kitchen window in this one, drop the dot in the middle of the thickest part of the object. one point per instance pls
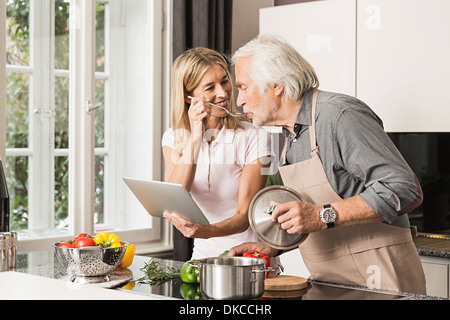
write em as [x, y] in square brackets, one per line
[64, 161]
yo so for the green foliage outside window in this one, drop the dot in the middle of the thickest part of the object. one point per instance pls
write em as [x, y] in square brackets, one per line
[17, 110]
[17, 101]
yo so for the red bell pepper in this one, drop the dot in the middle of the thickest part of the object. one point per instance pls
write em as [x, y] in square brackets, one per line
[260, 255]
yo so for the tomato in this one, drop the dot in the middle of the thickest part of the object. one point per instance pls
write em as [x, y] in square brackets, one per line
[85, 242]
[66, 244]
[83, 235]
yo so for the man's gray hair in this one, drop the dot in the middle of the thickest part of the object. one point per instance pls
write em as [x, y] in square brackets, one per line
[274, 61]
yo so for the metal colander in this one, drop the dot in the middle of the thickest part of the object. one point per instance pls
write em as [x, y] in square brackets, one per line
[90, 264]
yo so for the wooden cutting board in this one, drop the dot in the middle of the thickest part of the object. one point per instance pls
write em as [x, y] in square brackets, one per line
[285, 283]
[291, 294]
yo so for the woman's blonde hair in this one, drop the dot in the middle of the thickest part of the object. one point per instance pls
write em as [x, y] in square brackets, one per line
[188, 70]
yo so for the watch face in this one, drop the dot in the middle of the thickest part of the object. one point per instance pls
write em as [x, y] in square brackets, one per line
[328, 215]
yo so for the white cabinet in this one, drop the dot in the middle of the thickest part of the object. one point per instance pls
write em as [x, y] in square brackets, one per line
[392, 54]
[403, 62]
[324, 33]
[437, 275]
[293, 264]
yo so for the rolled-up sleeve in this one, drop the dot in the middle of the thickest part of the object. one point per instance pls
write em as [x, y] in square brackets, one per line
[366, 152]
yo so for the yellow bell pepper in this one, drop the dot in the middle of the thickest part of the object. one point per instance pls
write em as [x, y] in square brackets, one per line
[112, 241]
[127, 259]
[107, 240]
[99, 238]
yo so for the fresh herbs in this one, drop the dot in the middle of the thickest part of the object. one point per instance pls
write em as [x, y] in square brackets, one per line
[157, 273]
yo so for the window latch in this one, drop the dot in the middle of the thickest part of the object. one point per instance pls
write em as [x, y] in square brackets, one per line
[92, 106]
[47, 113]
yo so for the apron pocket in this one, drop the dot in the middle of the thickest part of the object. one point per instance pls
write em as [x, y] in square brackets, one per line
[396, 268]
[325, 255]
[337, 265]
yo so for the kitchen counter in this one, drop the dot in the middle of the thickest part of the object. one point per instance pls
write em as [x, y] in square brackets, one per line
[433, 245]
[45, 264]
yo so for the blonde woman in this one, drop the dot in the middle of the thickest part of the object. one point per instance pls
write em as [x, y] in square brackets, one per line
[218, 158]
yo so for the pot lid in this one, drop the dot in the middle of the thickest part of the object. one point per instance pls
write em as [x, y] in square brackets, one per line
[260, 218]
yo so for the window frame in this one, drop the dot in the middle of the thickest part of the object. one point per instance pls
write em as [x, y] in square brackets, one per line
[40, 115]
[3, 82]
[147, 240]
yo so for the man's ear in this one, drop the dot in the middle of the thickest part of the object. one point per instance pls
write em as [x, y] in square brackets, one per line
[278, 89]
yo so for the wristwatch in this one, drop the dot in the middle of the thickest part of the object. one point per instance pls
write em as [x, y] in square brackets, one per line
[328, 215]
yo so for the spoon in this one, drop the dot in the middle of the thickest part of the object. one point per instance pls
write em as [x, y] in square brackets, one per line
[233, 114]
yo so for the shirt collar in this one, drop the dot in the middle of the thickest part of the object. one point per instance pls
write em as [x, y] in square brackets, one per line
[303, 116]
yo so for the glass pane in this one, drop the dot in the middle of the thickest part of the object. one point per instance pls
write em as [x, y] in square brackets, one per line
[17, 32]
[61, 113]
[99, 216]
[100, 114]
[17, 180]
[100, 59]
[17, 100]
[61, 34]
[100, 38]
[61, 192]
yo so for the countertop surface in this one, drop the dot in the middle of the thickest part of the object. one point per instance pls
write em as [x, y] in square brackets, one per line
[433, 245]
[45, 264]
[23, 286]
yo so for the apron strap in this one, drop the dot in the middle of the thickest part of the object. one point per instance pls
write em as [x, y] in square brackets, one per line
[312, 128]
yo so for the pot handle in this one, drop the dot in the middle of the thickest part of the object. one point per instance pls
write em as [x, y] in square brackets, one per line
[253, 277]
[195, 263]
[268, 269]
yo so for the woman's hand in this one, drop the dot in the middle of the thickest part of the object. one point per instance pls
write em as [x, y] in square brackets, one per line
[198, 113]
[186, 227]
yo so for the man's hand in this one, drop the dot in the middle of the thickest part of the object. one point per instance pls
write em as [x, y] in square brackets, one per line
[250, 246]
[297, 217]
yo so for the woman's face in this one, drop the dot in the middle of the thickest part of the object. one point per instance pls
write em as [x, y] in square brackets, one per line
[215, 87]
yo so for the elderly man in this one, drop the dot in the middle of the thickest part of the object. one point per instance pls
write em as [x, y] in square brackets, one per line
[356, 188]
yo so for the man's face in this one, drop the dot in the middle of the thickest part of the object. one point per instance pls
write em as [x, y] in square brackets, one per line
[261, 108]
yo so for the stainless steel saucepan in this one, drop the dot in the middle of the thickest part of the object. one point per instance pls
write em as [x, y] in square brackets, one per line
[228, 278]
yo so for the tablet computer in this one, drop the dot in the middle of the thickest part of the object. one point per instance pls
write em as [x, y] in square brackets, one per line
[157, 196]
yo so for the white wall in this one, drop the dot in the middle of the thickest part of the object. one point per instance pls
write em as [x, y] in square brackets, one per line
[324, 33]
[293, 264]
[246, 20]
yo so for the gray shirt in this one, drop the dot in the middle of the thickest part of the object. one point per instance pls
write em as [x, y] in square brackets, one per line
[358, 156]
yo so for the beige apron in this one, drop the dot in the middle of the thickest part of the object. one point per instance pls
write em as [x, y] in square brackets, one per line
[376, 255]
